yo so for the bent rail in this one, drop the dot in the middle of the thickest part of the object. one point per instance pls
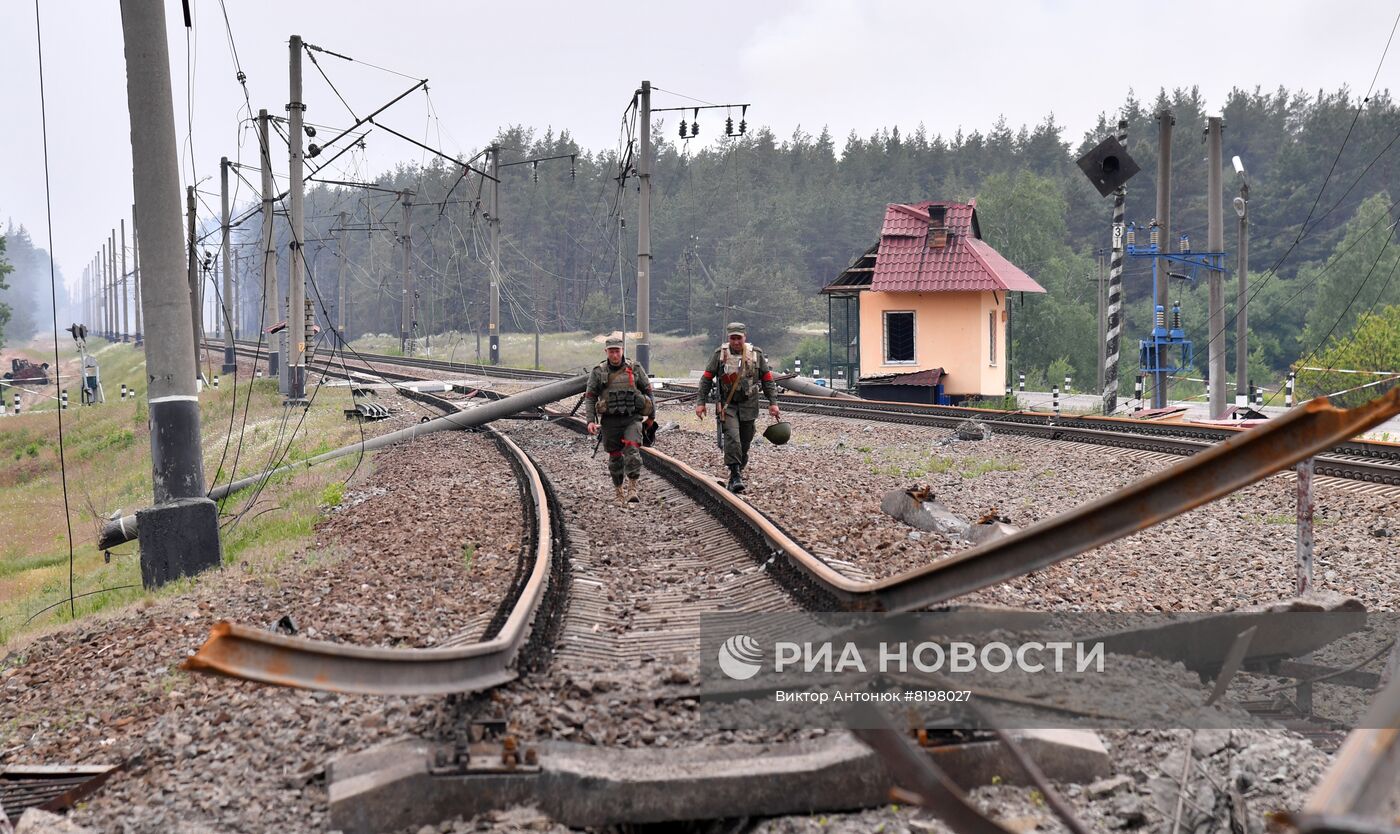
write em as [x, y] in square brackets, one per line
[253, 654]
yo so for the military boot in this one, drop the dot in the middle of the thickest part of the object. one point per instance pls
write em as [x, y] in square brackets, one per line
[736, 484]
[631, 491]
[618, 493]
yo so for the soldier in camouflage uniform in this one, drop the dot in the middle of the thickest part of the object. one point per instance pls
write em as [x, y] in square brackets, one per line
[742, 371]
[618, 398]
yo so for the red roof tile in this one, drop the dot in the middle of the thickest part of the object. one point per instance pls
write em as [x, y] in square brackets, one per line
[906, 263]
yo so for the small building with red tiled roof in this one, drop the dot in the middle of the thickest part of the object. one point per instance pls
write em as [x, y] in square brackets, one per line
[926, 306]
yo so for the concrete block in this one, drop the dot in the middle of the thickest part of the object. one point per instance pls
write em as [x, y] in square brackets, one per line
[926, 515]
[991, 531]
[392, 787]
[178, 539]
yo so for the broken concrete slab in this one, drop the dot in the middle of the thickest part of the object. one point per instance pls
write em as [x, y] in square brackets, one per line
[394, 787]
[917, 508]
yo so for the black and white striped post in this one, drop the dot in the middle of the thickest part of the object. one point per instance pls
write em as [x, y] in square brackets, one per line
[63, 400]
[1021, 383]
[257, 373]
[16, 403]
[1258, 395]
[1055, 394]
[1067, 386]
[216, 380]
[1137, 393]
[1288, 395]
[123, 391]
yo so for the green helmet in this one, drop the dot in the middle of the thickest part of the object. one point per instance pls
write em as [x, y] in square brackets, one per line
[778, 433]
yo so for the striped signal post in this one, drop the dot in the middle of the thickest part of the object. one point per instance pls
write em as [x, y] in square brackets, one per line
[123, 395]
[1055, 394]
[1021, 382]
[16, 403]
[1137, 393]
[63, 400]
[1288, 397]
[1067, 385]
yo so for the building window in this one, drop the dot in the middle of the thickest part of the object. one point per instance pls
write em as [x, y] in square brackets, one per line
[899, 338]
[992, 337]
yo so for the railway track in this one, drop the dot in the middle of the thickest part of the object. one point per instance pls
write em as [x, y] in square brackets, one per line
[1214, 470]
[522, 626]
[1367, 462]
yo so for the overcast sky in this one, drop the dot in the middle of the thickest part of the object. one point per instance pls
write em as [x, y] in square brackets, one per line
[846, 64]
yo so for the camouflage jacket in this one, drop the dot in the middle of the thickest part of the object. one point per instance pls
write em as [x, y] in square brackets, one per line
[613, 392]
[744, 374]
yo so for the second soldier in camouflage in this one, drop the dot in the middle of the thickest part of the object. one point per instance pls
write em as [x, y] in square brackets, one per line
[742, 373]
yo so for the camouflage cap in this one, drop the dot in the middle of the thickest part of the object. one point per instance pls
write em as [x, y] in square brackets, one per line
[736, 328]
[614, 341]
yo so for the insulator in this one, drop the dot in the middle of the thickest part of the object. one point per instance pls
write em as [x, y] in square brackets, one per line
[241, 76]
[1154, 238]
[1132, 235]
[694, 129]
[729, 126]
[535, 171]
[683, 128]
[313, 150]
[1185, 243]
[310, 131]
[1176, 316]
[743, 127]
[1161, 317]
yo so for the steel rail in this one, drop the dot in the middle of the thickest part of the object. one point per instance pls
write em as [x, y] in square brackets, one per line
[254, 654]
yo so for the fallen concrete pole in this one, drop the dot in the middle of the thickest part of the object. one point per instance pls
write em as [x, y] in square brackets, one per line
[798, 385]
[124, 529]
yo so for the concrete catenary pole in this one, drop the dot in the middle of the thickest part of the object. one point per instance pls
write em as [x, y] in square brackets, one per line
[1215, 278]
[230, 363]
[1242, 290]
[136, 274]
[126, 302]
[340, 281]
[1165, 121]
[102, 294]
[494, 225]
[108, 294]
[116, 297]
[196, 304]
[124, 530]
[186, 521]
[644, 231]
[1113, 321]
[269, 247]
[406, 310]
[296, 312]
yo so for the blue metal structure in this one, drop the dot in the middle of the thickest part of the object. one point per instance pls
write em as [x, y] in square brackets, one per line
[1167, 350]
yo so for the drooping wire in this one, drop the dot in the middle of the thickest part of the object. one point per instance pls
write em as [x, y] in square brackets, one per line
[53, 299]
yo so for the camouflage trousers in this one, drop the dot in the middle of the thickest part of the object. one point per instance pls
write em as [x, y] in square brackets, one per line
[738, 436]
[622, 439]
